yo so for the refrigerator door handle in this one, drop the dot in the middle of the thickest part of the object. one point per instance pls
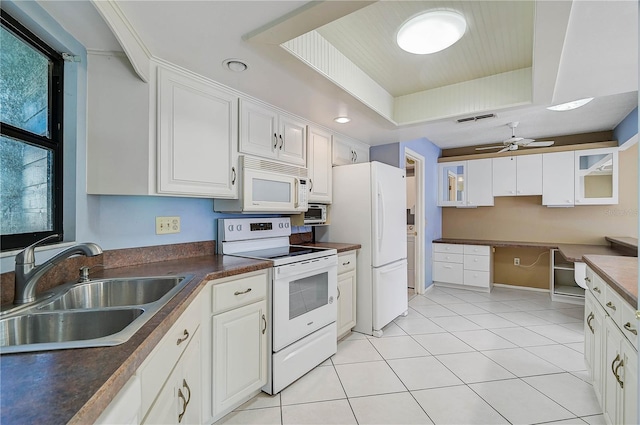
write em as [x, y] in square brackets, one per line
[380, 216]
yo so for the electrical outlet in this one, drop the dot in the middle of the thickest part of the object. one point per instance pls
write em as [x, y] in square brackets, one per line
[165, 225]
[516, 261]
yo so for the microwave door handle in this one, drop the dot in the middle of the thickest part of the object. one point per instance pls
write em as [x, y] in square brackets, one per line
[296, 191]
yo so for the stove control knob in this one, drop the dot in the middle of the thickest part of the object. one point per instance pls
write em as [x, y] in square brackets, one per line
[281, 225]
[239, 227]
[286, 225]
[230, 227]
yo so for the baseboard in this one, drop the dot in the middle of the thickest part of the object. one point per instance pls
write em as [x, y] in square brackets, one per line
[523, 288]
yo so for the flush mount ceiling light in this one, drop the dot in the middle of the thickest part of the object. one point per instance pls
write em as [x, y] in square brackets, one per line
[570, 105]
[342, 120]
[235, 65]
[431, 32]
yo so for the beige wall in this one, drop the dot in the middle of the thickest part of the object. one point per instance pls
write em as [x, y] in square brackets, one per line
[526, 219]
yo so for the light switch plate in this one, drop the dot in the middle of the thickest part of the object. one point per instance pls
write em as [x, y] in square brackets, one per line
[166, 225]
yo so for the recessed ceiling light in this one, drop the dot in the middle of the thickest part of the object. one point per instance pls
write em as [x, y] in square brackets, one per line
[342, 120]
[235, 65]
[570, 105]
[431, 32]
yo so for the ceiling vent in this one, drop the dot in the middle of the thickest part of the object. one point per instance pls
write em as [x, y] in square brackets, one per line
[476, 118]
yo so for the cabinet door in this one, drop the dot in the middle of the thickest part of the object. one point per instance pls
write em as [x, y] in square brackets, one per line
[197, 132]
[346, 303]
[319, 165]
[239, 355]
[479, 183]
[360, 152]
[529, 175]
[452, 180]
[557, 179]
[594, 344]
[258, 130]
[629, 375]
[504, 176]
[612, 359]
[292, 146]
[596, 180]
[125, 407]
[342, 152]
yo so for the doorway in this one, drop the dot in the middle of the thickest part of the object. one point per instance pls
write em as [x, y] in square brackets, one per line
[414, 168]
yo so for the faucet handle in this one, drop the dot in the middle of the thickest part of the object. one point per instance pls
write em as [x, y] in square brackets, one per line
[27, 255]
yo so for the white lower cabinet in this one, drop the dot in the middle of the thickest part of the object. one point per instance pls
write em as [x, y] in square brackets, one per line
[610, 352]
[239, 325]
[124, 409]
[346, 293]
[469, 266]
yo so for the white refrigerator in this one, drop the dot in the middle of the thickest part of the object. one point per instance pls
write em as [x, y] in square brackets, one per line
[369, 208]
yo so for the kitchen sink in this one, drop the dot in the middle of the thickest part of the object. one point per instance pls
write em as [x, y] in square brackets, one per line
[113, 293]
[96, 313]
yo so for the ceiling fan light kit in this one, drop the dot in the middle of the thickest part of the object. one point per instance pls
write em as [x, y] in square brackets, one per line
[513, 143]
[431, 32]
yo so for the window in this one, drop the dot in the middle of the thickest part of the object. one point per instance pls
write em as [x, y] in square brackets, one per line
[30, 137]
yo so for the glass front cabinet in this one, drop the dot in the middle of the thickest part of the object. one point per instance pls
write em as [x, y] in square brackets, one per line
[452, 179]
[596, 176]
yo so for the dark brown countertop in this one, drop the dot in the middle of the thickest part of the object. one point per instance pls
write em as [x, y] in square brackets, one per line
[621, 273]
[75, 386]
[575, 252]
[499, 244]
[340, 247]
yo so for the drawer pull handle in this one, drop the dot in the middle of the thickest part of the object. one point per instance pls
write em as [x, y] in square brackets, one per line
[587, 279]
[264, 319]
[590, 317]
[347, 263]
[611, 306]
[338, 294]
[184, 405]
[246, 291]
[183, 339]
[186, 386]
[628, 327]
[596, 289]
[275, 138]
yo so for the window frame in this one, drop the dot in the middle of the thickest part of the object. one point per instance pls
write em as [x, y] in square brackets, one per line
[53, 141]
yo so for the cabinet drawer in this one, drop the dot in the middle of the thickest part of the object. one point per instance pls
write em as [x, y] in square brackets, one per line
[613, 305]
[238, 292]
[346, 262]
[446, 257]
[477, 249]
[476, 278]
[156, 368]
[448, 247]
[630, 324]
[447, 272]
[477, 262]
[598, 288]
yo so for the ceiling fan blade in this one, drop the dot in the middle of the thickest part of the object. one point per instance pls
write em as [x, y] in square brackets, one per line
[505, 149]
[539, 144]
[525, 142]
[490, 147]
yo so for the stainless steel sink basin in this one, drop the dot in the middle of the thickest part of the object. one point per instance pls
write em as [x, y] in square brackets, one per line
[113, 293]
[90, 314]
[65, 326]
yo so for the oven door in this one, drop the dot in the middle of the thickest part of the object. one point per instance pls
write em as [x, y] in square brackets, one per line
[304, 299]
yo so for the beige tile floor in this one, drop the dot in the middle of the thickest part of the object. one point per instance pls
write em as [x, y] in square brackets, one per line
[459, 357]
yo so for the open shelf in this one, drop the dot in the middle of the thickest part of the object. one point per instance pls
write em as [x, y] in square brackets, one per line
[563, 284]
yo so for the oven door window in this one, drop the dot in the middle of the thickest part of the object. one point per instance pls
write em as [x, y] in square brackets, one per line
[308, 294]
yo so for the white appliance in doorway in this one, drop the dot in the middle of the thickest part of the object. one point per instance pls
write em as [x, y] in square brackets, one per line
[368, 208]
[302, 296]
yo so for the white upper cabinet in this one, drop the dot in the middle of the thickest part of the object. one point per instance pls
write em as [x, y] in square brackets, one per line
[269, 133]
[465, 183]
[558, 179]
[319, 165]
[479, 178]
[596, 179]
[517, 175]
[348, 151]
[197, 130]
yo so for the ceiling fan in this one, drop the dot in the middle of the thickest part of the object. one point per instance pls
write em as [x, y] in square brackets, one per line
[513, 142]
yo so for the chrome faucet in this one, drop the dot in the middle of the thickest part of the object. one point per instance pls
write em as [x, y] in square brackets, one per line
[28, 274]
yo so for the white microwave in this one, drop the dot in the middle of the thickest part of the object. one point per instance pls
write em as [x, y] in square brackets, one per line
[268, 187]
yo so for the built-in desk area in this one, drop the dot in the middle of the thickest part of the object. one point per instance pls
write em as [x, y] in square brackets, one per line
[567, 267]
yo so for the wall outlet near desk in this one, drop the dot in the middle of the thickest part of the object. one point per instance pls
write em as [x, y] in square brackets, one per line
[166, 225]
[516, 261]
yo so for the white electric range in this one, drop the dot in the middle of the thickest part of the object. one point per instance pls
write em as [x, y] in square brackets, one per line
[302, 296]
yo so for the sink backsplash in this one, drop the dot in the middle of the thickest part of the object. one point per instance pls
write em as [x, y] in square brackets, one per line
[68, 270]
